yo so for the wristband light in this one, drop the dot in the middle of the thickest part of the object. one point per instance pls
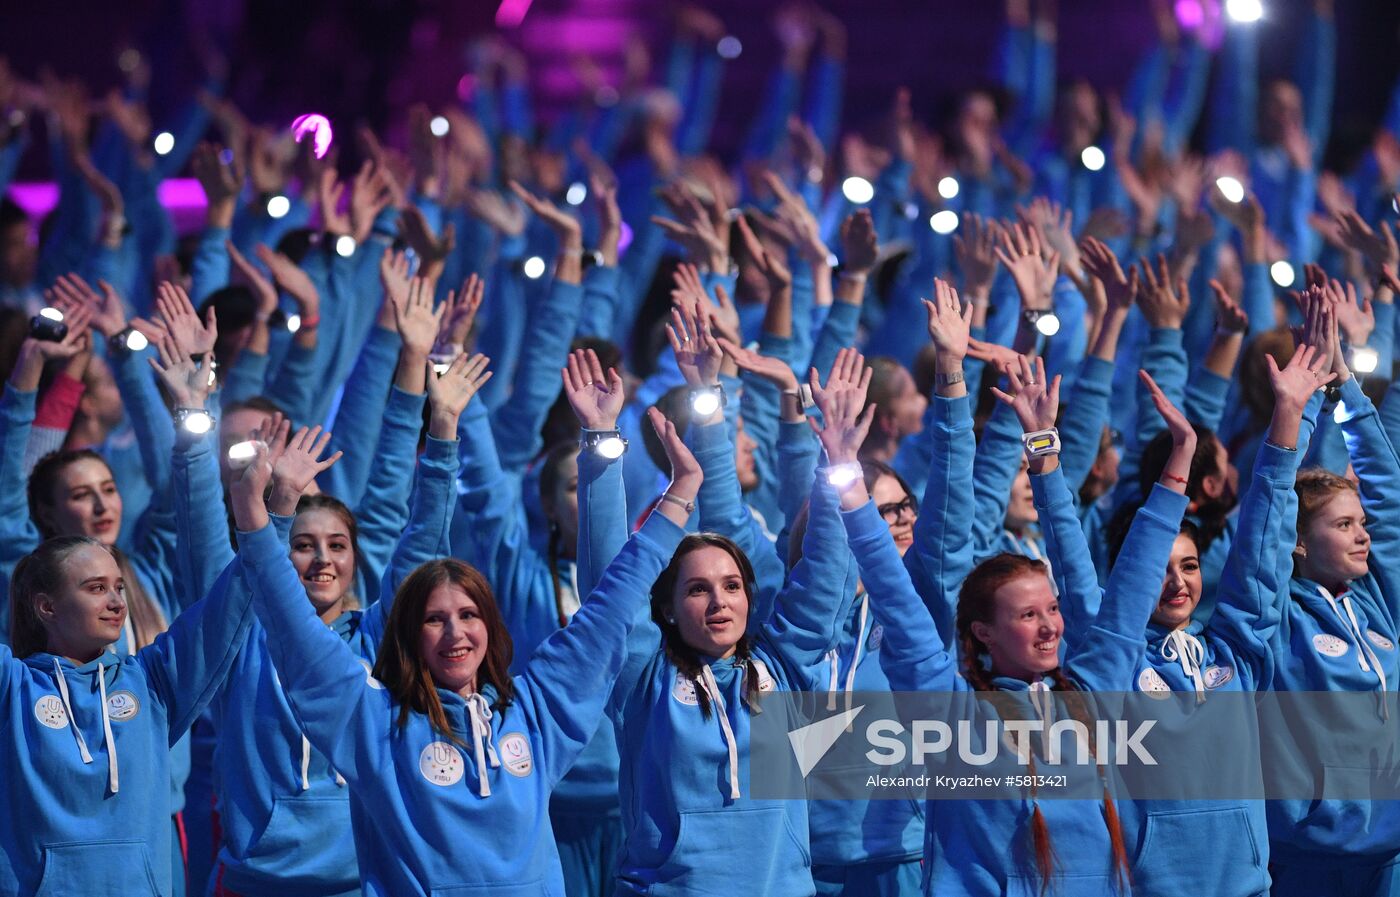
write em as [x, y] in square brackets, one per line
[857, 190]
[1364, 359]
[136, 340]
[51, 313]
[1232, 189]
[1282, 273]
[534, 267]
[948, 187]
[944, 222]
[241, 454]
[278, 206]
[345, 246]
[843, 475]
[439, 126]
[1093, 158]
[194, 420]
[576, 193]
[729, 47]
[1244, 10]
[1046, 322]
[706, 400]
[164, 143]
[293, 323]
[319, 127]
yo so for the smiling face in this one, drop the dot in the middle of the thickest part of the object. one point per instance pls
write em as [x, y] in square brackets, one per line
[84, 501]
[1181, 587]
[1023, 637]
[86, 612]
[453, 639]
[324, 557]
[898, 510]
[1334, 545]
[709, 605]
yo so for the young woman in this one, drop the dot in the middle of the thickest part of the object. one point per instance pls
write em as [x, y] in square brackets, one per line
[277, 794]
[450, 761]
[88, 732]
[683, 706]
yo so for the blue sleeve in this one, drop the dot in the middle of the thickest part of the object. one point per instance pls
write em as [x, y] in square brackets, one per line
[516, 113]
[1206, 394]
[1186, 95]
[602, 517]
[1389, 412]
[188, 126]
[770, 124]
[245, 378]
[912, 654]
[1378, 470]
[17, 532]
[517, 423]
[1383, 336]
[943, 551]
[1316, 76]
[698, 115]
[997, 463]
[1164, 357]
[600, 298]
[824, 96]
[1071, 563]
[1035, 105]
[155, 437]
[296, 383]
[1113, 645]
[361, 415]
[502, 326]
[1258, 299]
[722, 510]
[383, 510]
[1067, 348]
[209, 271]
[343, 712]
[798, 454]
[1253, 583]
[804, 625]
[429, 519]
[187, 663]
[202, 530]
[915, 453]
[1235, 95]
[838, 332]
[571, 675]
[1081, 425]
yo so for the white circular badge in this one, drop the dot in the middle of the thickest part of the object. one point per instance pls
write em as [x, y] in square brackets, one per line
[515, 754]
[1379, 640]
[1329, 645]
[684, 690]
[1217, 676]
[122, 706]
[1151, 682]
[49, 711]
[441, 764]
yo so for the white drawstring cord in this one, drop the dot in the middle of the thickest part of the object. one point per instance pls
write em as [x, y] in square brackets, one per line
[1185, 648]
[68, 708]
[110, 742]
[707, 681]
[1363, 649]
[480, 713]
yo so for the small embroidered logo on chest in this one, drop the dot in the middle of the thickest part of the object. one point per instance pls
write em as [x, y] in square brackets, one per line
[1216, 676]
[1379, 640]
[369, 676]
[684, 690]
[515, 754]
[122, 706]
[1151, 682]
[442, 764]
[877, 637]
[1329, 645]
[49, 711]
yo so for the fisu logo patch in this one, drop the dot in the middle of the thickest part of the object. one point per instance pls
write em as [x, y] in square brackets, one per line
[441, 764]
[1329, 645]
[122, 706]
[49, 711]
[515, 754]
[1151, 682]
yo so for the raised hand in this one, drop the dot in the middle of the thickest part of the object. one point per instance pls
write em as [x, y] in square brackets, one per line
[194, 337]
[859, 242]
[722, 314]
[596, 397]
[294, 281]
[432, 248]
[329, 192]
[395, 271]
[774, 270]
[564, 225]
[451, 391]
[370, 193]
[697, 354]
[995, 354]
[504, 217]
[846, 419]
[299, 464]
[221, 181]
[187, 383]
[1356, 321]
[1305, 374]
[108, 312]
[948, 322]
[246, 492]
[774, 370]
[462, 307]
[694, 229]
[975, 247]
[1021, 252]
[417, 321]
[1163, 306]
[264, 293]
[1176, 474]
[1229, 316]
[1378, 246]
[686, 473]
[1035, 401]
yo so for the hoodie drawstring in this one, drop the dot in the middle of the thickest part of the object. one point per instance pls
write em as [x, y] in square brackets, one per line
[707, 682]
[108, 741]
[1185, 648]
[1044, 703]
[480, 713]
[305, 763]
[1363, 648]
[834, 656]
[68, 707]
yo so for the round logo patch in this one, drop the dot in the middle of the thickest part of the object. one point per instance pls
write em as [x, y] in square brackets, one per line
[877, 638]
[369, 676]
[1151, 682]
[122, 706]
[684, 690]
[515, 754]
[441, 764]
[1379, 640]
[1329, 645]
[49, 711]
[1216, 676]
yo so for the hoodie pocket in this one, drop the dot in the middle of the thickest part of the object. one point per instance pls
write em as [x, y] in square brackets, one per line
[97, 869]
[1200, 852]
[514, 889]
[280, 849]
[775, 860]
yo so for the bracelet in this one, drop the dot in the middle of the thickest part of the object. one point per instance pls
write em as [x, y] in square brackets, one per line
[572, 253]
[1174, 478]
[1042, 442]
[853, 276]
[689, 506]
[948, 379]
[803, 395]
[310, 323]
[843, 475]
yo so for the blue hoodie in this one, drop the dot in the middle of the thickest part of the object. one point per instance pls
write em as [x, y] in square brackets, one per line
[686, 809]
[966, 844]
[86, 761]
[276, 793]
[431, 816]
[1319, 648]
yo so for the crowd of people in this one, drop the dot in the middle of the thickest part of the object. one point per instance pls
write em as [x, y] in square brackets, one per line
[434, 524]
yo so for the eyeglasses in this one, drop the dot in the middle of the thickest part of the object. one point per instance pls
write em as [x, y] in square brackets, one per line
[894, 510]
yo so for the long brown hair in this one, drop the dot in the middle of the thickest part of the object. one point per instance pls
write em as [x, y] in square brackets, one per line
[683, 656]
[977, 604]
[401, 669]
[147, 620]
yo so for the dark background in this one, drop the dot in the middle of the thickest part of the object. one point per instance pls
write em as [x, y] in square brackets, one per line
[366, 60]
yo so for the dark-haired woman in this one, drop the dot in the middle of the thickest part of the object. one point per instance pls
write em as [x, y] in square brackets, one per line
[450, 761]
[276, 793]
[1009, 631]
[86, 757]
[1227, 840]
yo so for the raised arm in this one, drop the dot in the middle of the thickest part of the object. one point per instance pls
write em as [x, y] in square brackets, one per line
[596, 399]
